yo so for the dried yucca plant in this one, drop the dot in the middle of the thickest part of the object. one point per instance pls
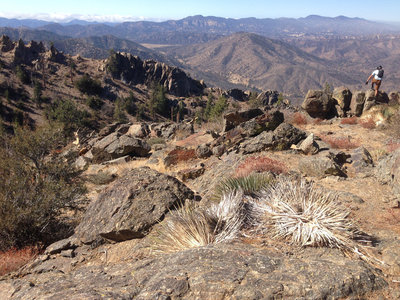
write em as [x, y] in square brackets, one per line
[305, 215]
[188, 227]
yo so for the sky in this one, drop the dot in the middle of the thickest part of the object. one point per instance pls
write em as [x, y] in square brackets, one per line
[159, 10]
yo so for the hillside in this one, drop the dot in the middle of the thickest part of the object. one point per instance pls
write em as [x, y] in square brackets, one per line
[263, 63]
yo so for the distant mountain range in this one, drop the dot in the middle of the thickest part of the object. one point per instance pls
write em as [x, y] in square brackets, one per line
[202, 29]
[285, 54]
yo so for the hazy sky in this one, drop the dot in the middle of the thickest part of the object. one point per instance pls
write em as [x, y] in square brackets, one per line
[120, 10]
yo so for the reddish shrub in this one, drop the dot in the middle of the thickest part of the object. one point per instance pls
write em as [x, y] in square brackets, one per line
[317, 121]
[299, 119]
[367, 123]
[339, 143]
[179, 155]
[259, 164]
[349, 121]
[13, 259]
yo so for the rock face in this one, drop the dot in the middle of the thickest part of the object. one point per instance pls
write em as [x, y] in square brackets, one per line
[320, 167]
[131, 69]
[357, 103]
[25, 54]
[239, 270]
[388, 171]
[268, 97]
[117, 145]
[130, 206]
[319, 104]
[342, 95]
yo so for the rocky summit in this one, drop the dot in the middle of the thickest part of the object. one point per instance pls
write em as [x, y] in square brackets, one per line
[193, 192]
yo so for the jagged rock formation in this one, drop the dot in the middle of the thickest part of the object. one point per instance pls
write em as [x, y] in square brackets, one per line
[342, 102]
[131, 69]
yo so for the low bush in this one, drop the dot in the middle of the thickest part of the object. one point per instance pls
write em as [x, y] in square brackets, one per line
[299, 118]
[179, 155]
[94, 102]
[368, 123]
[14, 258]
[349, 121]
[88, 86]
[339, 142]
[259, 164]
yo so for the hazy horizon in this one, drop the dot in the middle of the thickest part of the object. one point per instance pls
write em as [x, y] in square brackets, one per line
[157, 10]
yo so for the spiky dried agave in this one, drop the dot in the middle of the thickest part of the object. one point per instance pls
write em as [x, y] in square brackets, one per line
[305, 215]
[188, 227]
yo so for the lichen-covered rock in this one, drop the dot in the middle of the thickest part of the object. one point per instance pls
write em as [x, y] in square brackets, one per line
[241, 271]
[342, 95]
[320, 167]
[357, 103]
[130, 206]
[231, 120]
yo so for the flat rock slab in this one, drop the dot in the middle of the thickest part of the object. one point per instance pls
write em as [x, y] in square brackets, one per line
[235, 271]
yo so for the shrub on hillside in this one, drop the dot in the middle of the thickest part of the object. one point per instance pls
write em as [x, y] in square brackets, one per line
[88, 86]
[298, 118]
[94, 102]
[35, 186]
[349, 121]
[259, 164]
[158, 100]
[66, 113]
[339, 142]
[22, 74]
[14, 258]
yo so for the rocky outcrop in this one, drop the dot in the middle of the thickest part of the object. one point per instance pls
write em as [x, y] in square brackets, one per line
[131, 205]
[357, 103]
[132, 70]
[342, 96]
[319, 104]
[320, 167]
[168, 130]
[26, 54]
[55, 56]
[387, 171]
[241, 271]
[268, 97]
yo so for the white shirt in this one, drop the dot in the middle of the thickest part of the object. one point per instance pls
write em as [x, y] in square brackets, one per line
[375, 73]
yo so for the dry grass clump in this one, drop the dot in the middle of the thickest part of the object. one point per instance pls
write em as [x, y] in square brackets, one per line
[11, 260]
[260, 164]
[179, 155]
[188, 227]
[339, 142]
[306, 216]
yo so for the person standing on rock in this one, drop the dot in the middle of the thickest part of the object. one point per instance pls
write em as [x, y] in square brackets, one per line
[376, 76]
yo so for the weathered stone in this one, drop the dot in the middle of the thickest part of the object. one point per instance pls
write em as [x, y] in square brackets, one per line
[119, 160]
[266, 122]
[342, 95]
[318, 104]
[282, 138]
[361, 158]
[218, 150]
[179, 155]
[81, 163]
[268, 97]
[357, 103]
[370, 100]
[309, 146]
[130, 206]
[191, 173]
[241, 271]
[62, 245]
[394, 97]
[140, 130]
[231, 120]
[116, 145]
[203, 151]
[26, 54]
[237, 94]
[320, 167]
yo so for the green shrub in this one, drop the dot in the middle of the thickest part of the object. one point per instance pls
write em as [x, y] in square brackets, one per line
[35, 186]
[94, 102]
[158, 100]
[88, 86]
[119, 111]
[66, 113]
[37, 93]
[22, 74]
[215, 109]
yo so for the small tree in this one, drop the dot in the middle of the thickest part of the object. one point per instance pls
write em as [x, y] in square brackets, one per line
[35, 186]
[22, 74]
[119, 111]
[37, 93]
[158, 100]
[88, 86]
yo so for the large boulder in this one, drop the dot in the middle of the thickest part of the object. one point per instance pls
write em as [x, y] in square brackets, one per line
[224, 271]
[357, 103]
[130, 206]
[116, 145]
[231, 120]
[394, 97]
[282, 138]
[268, 97]
[387, 171]
[26, 54]
[370, 100]
[342, 96]
[319, 104]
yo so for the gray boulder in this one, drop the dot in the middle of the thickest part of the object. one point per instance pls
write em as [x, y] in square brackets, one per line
[370, 100]
[309, 145]
[116, 145]
[342, 96]
[131, 205]
[319, 104]
[203, 151]
[282, 138]
[320, 167]
[231, 120]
